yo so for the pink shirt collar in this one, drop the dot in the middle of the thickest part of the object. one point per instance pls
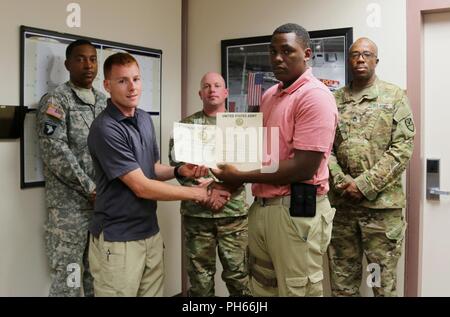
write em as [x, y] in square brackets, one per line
[295, 85]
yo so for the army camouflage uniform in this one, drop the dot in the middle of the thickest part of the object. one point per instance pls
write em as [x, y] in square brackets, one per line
[204, 230]
[63, 120]
[373, 144]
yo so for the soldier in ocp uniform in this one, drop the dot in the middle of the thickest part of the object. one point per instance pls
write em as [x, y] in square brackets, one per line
[63, 120]
[373, 144]
[207, 227]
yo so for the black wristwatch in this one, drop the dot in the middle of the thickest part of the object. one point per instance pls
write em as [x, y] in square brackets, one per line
[175, 172]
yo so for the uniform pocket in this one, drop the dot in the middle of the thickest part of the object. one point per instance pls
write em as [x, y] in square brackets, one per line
[382, 127]
[79, 122]
[296, 286]
[64, 247]
[113, 255]
[397, 231]
[327, 227]
[316, 277]
[112, 266]
[299, 227]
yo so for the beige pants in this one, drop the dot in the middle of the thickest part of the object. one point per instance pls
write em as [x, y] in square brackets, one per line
[132, 268]
[286, 253]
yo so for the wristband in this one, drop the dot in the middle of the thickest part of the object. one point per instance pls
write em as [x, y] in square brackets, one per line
[175, 172]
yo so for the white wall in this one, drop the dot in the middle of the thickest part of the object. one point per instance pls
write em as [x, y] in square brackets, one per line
[148, 23]
[211, 21]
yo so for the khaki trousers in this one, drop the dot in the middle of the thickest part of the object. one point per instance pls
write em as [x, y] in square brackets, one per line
[286, 253]
[132, 268]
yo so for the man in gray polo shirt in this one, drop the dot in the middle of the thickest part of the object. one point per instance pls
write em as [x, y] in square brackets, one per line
[126, 248]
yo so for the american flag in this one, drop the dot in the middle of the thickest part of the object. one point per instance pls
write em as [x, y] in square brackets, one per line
[254, 93]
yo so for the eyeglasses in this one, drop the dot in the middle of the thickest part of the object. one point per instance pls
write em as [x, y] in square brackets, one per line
[365, 55]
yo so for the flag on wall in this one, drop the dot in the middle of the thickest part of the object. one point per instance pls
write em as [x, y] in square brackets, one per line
[254, 89]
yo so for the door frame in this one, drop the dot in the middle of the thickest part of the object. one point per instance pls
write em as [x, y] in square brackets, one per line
[415, 11]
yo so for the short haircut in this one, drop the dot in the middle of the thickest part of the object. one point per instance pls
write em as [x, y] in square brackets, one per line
[300, 32]
[75, 44]
[117, 59]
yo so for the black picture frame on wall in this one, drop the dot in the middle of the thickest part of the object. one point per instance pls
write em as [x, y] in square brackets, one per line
[247, 71]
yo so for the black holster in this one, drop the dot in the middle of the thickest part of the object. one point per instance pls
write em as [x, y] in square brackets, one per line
[303, 200]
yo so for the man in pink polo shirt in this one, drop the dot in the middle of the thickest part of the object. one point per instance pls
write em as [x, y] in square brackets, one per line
[289, 233]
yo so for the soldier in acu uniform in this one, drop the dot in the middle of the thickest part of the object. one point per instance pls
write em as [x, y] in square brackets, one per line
[373, 144]
[205, 228]
[64, 117]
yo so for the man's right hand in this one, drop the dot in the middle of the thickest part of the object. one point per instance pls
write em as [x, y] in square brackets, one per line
[211, 196]
[201, 191]
[218, 197]
[351, 191]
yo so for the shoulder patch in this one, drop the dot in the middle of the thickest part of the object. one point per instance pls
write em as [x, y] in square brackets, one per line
[49, 128]
[54, 111]
[409, 124]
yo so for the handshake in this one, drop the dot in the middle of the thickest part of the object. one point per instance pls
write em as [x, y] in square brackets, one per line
[217, 194]
[209, 194]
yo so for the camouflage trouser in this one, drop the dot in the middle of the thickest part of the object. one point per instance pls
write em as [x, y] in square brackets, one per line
[67, 252]
[230, 236]
[377, 233]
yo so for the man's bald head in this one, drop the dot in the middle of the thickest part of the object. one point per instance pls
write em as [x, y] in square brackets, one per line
[212, 75]
[365, 41]
[362, 60]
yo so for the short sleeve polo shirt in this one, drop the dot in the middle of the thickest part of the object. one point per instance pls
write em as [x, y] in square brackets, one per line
[305, 115]
[119, 145]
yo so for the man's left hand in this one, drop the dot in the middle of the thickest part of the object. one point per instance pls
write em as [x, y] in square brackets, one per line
[228, 174]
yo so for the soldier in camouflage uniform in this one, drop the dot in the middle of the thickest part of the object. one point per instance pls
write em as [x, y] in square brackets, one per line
[373, 144]
[206, 229]
[63, 120]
